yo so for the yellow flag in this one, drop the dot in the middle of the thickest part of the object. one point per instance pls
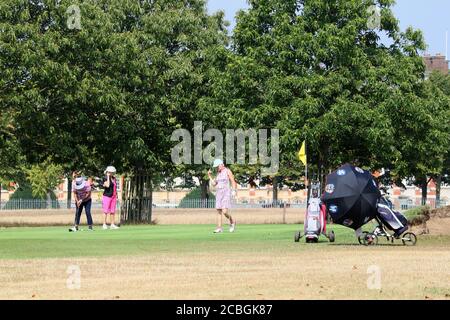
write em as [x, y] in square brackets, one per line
[302, 153]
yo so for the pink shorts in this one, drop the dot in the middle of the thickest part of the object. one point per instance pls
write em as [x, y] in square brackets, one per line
[109, 205]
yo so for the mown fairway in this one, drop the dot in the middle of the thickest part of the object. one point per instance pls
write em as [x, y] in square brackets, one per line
[189, 262]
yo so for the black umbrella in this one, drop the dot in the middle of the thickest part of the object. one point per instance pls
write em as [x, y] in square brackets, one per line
[351, 196]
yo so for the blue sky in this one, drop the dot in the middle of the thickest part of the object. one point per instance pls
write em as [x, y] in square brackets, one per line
[431, 16]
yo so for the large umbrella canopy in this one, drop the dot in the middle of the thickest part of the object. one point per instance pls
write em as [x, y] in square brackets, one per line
[351, 196]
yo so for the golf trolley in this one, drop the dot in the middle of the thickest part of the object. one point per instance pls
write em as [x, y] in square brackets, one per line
[315, 220]
[387, 221]
[313, 237]
[380, 231]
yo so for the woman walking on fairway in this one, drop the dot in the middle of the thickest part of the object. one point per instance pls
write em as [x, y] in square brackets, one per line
[109, 197]
[223, 194]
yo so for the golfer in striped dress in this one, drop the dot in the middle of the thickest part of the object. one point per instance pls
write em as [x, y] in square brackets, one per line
[224, 194]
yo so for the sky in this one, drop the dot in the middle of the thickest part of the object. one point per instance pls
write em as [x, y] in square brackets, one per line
[430, 16]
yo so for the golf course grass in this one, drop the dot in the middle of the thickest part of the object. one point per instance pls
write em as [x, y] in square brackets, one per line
[57, 242]
[190, 262]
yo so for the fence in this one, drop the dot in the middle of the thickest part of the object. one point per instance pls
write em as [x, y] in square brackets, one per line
[211, 203]
[409, 203]
[36, 204]
[26, 204]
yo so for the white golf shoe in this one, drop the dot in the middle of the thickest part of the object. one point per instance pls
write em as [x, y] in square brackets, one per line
[233, 226]
[105, 227]
[114, 227]
[218, 230]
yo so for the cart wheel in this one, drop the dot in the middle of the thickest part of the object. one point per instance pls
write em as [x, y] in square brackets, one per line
[409, 239]
[297, 236]
[370, 240]
[331, 236]
[362, 237]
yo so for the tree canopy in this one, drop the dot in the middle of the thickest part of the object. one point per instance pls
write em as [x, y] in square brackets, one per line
[110, 91]
[85, 84]
[319, 72]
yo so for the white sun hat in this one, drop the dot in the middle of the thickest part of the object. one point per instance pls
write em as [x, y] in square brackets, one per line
[80, 183]
[217, 163]
[110, 169]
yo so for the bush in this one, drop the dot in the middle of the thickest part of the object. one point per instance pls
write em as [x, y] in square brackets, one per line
[417, 215]
[193, 200]
[25, 193]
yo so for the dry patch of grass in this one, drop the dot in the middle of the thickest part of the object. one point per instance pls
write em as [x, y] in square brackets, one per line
[243, 216]
[161, 216]
[331, 273]
[37, 218]
[435, 226]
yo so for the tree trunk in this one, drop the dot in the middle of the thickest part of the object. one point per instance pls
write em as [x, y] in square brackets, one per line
[438, 191]
[49, 200]
[319, 173]
[204, 192]
[275, 191]
[1, 196]
[69, 193]
[137, 193]
[424, 192]
[321, 177]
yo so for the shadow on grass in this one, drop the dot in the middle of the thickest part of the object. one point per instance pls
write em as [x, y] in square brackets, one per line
[361, 245]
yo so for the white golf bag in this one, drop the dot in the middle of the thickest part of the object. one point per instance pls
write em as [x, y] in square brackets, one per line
[314, 220]
[315, 223]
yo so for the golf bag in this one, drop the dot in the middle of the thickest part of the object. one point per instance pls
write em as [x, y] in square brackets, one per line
[315, 219]
[393, 220]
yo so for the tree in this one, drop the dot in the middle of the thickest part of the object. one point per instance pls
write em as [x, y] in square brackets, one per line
[421, 137]
[11, 157]
[440, 93]
[318, 71]
[43, 179]
[107, 90]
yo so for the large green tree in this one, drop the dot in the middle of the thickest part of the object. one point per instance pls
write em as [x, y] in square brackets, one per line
[319, 72]
[439, 100]
[93, 83]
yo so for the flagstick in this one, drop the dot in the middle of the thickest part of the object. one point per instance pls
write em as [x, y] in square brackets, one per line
[307, 184]
[306, 175]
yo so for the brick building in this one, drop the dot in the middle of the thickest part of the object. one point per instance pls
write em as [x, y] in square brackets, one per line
[436, 63]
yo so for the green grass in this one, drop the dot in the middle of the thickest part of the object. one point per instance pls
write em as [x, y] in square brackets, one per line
[57, 242]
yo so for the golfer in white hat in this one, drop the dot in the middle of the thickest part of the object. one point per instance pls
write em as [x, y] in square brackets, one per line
[82, 195]
[223, 194]
[109, 200]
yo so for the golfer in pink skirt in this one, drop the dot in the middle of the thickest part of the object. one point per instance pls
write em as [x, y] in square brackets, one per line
[223, 194]
[109, 200]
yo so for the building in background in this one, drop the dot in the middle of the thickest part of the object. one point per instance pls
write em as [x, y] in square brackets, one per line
[437, 62]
